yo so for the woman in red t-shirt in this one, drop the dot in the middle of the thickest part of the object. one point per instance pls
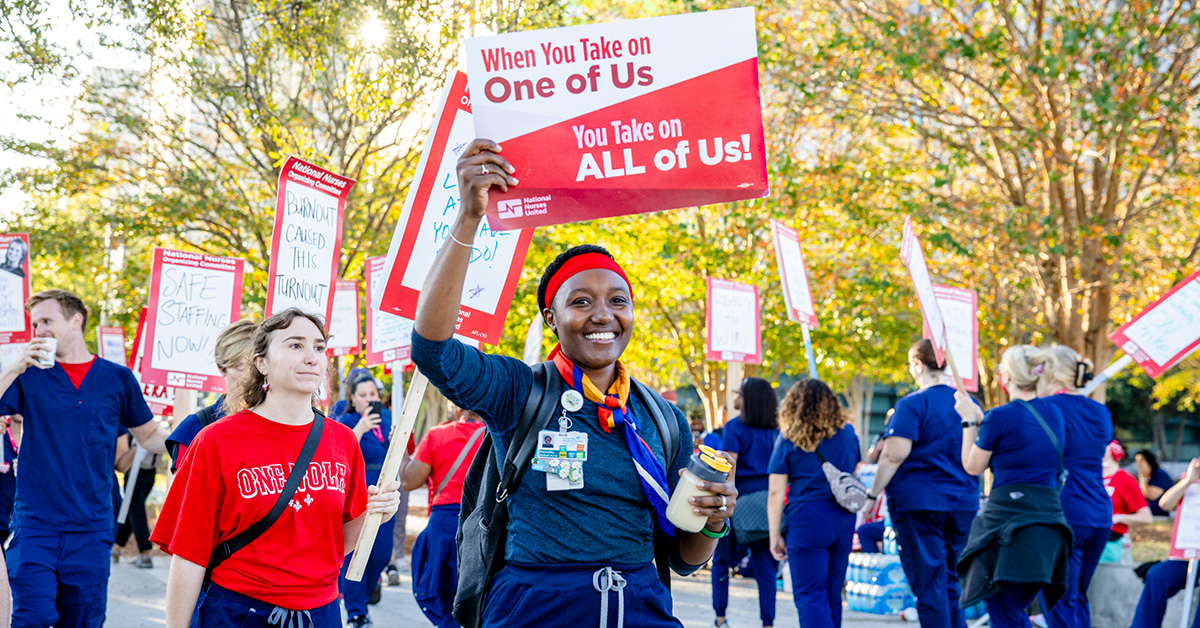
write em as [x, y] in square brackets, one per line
[235, 471]
[1129, 506]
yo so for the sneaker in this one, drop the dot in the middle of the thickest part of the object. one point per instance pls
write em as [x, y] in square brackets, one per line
[143, 562]
[358, 621]
[393, 576]
[116, 556]
[724, 624]
[376, 594]
[1039, 620]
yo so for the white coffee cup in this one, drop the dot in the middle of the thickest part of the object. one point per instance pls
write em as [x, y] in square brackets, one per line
[47, 353]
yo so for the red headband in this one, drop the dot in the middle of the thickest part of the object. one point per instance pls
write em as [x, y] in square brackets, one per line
[1116, 451]
[578, 264]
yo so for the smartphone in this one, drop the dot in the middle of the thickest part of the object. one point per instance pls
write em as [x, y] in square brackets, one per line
[376, 408]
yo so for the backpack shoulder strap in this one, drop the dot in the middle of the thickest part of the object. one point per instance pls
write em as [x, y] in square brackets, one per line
[228, 548]
[206, 416]
[543, 397]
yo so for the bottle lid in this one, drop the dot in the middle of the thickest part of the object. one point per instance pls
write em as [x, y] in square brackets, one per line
[708, 466]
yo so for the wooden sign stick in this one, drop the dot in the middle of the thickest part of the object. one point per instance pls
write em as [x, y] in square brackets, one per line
[958, 385]
[401, 430]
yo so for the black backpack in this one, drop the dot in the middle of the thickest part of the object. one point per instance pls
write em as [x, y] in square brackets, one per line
[483, 520]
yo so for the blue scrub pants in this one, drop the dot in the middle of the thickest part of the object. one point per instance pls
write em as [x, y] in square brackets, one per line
[870, 536]
[819, 537]
[1006, 609]
[1162, 581]
[726, 557]
[356, 594]
[435, 566]
[1073, 611]
[930, 542]
[219, 607]
[537, 596]
[59, 578]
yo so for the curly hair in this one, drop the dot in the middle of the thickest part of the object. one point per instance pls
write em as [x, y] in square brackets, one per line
[810, 413]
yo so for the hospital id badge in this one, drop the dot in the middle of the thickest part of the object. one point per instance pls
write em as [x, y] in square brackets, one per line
[561, 445]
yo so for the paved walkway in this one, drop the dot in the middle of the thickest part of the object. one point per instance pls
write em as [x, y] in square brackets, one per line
[136, 598]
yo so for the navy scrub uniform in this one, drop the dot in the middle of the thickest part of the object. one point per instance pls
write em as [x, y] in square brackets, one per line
[819, 531]
[356, 594]
[1021, 454]
[1089, 429]
[8, 484]
[932, 502]
[58, 559]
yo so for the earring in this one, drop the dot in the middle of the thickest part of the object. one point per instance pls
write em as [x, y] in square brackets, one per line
[266, 386]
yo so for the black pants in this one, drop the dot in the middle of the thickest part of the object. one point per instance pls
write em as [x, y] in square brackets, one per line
[136, 521]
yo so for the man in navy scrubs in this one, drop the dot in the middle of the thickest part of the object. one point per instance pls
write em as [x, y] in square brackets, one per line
[58, 558]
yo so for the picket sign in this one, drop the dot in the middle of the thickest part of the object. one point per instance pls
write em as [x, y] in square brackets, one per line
[389, 337]
[131, 481]
[344, 321]
[15, 290]
[796, 293]
[160, 398]
[110, 344]
[914, 260]
[1185, 543]
[306, 242]
[401, 431]
[430, 210]
[733, 322]
[960, 312]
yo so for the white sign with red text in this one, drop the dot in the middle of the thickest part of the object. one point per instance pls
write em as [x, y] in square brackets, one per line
[1167, 331]
[626, 117]
[192, 298]
[14, 288]
[344, 324]
[161, 399]
[110, 343]
[306, 244]
[424, 227]
[914, 260]
[1185, 535]
[793, 275]
[733, 322]
[389, 337]
[960, 313]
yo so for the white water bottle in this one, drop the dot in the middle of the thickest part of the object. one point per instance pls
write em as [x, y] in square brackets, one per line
[705, 466]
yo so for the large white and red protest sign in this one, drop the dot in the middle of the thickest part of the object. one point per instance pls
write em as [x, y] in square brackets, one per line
[389, 337]
[161, 399]
[344, 326]
[622, 118]
[10, 353]
[14, 288]
[1185, 535]
[1165, 332]
[192, 298]
[960, 313]
[793, 275]
[110, 344]
[914, 259]
[424, 227]
[733, 323]
[307, 242]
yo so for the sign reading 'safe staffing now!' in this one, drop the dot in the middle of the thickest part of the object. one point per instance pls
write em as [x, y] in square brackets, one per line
[621, 118]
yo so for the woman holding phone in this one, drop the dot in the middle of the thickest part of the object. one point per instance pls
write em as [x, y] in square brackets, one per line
[372, 424]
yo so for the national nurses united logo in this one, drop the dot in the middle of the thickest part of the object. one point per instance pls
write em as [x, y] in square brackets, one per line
[511, 208]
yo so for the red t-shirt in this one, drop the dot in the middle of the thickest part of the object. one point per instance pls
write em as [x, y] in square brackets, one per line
[1126, 497]
[231, 477]
[439, 449]
[76, 372]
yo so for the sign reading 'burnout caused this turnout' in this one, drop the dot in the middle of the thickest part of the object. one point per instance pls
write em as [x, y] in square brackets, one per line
[192, 298]
[307, 241]
[1167, 331]
[960, 313]
[734, 324]
[389, 337]
[14, 288]
[793, 275]
[344, 323]
[424, 228]
[621, 118]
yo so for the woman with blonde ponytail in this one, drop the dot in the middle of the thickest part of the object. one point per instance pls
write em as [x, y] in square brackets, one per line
[1088, 428]
[1020, 544]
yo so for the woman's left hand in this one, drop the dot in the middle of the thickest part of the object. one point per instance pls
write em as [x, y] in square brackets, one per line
[719, 506]
[386, 502]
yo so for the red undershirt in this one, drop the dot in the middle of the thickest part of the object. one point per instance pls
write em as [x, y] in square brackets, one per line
[76, 372]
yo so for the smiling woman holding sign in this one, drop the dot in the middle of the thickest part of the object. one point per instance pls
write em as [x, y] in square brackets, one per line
[271, 499]
[587, 517]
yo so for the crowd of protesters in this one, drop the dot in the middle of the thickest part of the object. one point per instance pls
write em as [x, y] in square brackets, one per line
[270, 495]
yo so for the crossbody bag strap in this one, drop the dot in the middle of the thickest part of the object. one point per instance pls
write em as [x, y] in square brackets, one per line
[228, 548]
[1050, 433]
[462, 455]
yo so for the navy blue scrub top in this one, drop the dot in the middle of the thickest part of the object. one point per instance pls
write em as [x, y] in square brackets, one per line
[186, 431]
[8, 482]
[806, 479]
[1089, 429]
[753, 446]
[373, 450]
[1161, 479]
[932, 477]
[1021, 450]
[69, 443]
